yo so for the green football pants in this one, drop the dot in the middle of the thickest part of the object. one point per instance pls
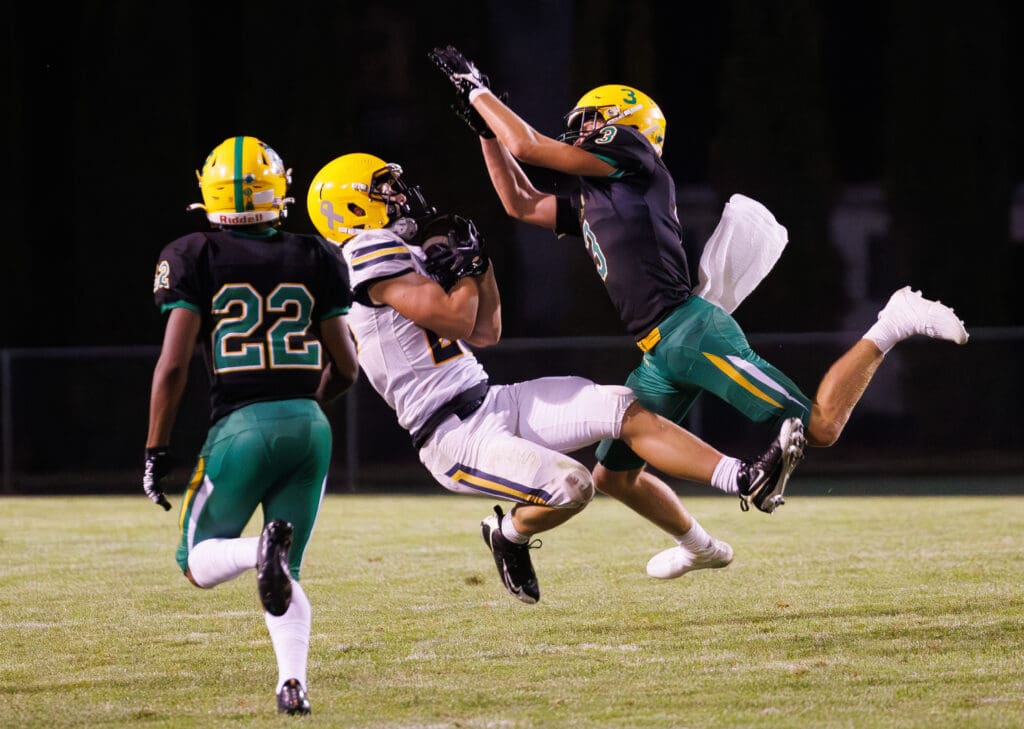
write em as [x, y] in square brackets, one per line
[703, 349]
[271, 454]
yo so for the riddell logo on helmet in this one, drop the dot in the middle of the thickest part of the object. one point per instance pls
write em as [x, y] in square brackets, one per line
[240, 218]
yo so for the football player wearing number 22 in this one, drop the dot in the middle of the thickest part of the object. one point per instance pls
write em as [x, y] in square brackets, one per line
[424, 293]
[617, 195]
[268, 308]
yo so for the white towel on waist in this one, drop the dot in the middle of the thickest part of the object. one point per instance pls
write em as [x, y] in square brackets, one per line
[744, 247]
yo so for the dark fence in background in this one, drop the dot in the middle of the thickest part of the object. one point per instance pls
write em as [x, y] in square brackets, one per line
[74, 420]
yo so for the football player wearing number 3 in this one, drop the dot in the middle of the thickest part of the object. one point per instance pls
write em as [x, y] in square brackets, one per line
[267, 308]
[423, 290]
[620, 199]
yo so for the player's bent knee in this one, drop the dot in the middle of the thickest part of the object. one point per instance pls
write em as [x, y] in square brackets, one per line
[577, 488]
[823, 433]
[822, 439]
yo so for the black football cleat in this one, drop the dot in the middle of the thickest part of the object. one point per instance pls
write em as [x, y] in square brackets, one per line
[762, 481]
[513, 560]
[292, 699]
[272, 577]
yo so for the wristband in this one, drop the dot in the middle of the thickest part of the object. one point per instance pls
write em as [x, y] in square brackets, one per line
[476, 92]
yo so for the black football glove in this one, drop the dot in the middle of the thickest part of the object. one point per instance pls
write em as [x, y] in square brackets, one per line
[158, 465]
[461, 254]
[463, 74]
[465, 111]
[443, 265]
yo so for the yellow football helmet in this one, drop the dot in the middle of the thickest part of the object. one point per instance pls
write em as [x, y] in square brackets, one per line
[358, 192]
[616, 104]
[244, 182]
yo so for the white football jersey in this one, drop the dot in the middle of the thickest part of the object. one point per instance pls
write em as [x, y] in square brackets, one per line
[414, 370]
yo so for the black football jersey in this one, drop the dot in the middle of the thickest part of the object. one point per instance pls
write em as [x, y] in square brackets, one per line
[261, 298]
[629, 226]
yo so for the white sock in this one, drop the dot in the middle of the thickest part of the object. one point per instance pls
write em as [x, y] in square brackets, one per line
[884, 334]
[214, 561]
[696, 540]
[290, 635]
[724, 477]
[508, 530]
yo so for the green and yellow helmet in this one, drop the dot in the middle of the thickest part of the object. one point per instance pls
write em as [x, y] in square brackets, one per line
[243, 182]
[616, 104]
[357, 192]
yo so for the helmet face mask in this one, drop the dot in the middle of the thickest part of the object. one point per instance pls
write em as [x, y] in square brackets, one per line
[582, 121]
[357, 192]
[243, 182]
[401, 200]
[615, 104]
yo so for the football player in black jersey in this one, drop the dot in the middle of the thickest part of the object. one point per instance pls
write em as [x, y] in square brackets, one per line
[267, 308]
[617, 195]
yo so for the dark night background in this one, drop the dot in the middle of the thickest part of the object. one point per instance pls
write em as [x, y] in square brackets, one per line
[112, 109]
[884, 136]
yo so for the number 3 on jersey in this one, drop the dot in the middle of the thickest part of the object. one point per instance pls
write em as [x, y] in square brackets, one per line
[590, 240]
[240, 311]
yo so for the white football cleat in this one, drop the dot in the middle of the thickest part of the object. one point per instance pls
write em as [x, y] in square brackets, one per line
[677, 561]
[910, 313]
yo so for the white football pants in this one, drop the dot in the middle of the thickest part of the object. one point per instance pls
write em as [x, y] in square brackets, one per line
[513, 446]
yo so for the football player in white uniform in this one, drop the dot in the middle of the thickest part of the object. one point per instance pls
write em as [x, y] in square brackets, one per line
[423, 290]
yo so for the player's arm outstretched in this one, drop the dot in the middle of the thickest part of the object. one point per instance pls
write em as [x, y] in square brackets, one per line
[518, 196]
[514, 141]
[528, 145]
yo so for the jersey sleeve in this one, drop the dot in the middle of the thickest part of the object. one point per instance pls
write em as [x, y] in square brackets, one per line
[176, 282]
[550, 182]
[623, 148]
[337, 297]
[374, 256]
[567, 221]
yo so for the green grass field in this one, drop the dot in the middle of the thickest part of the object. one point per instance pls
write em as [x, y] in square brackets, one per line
[837, 612]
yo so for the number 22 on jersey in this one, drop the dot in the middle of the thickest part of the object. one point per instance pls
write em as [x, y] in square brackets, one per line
[240, 311]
